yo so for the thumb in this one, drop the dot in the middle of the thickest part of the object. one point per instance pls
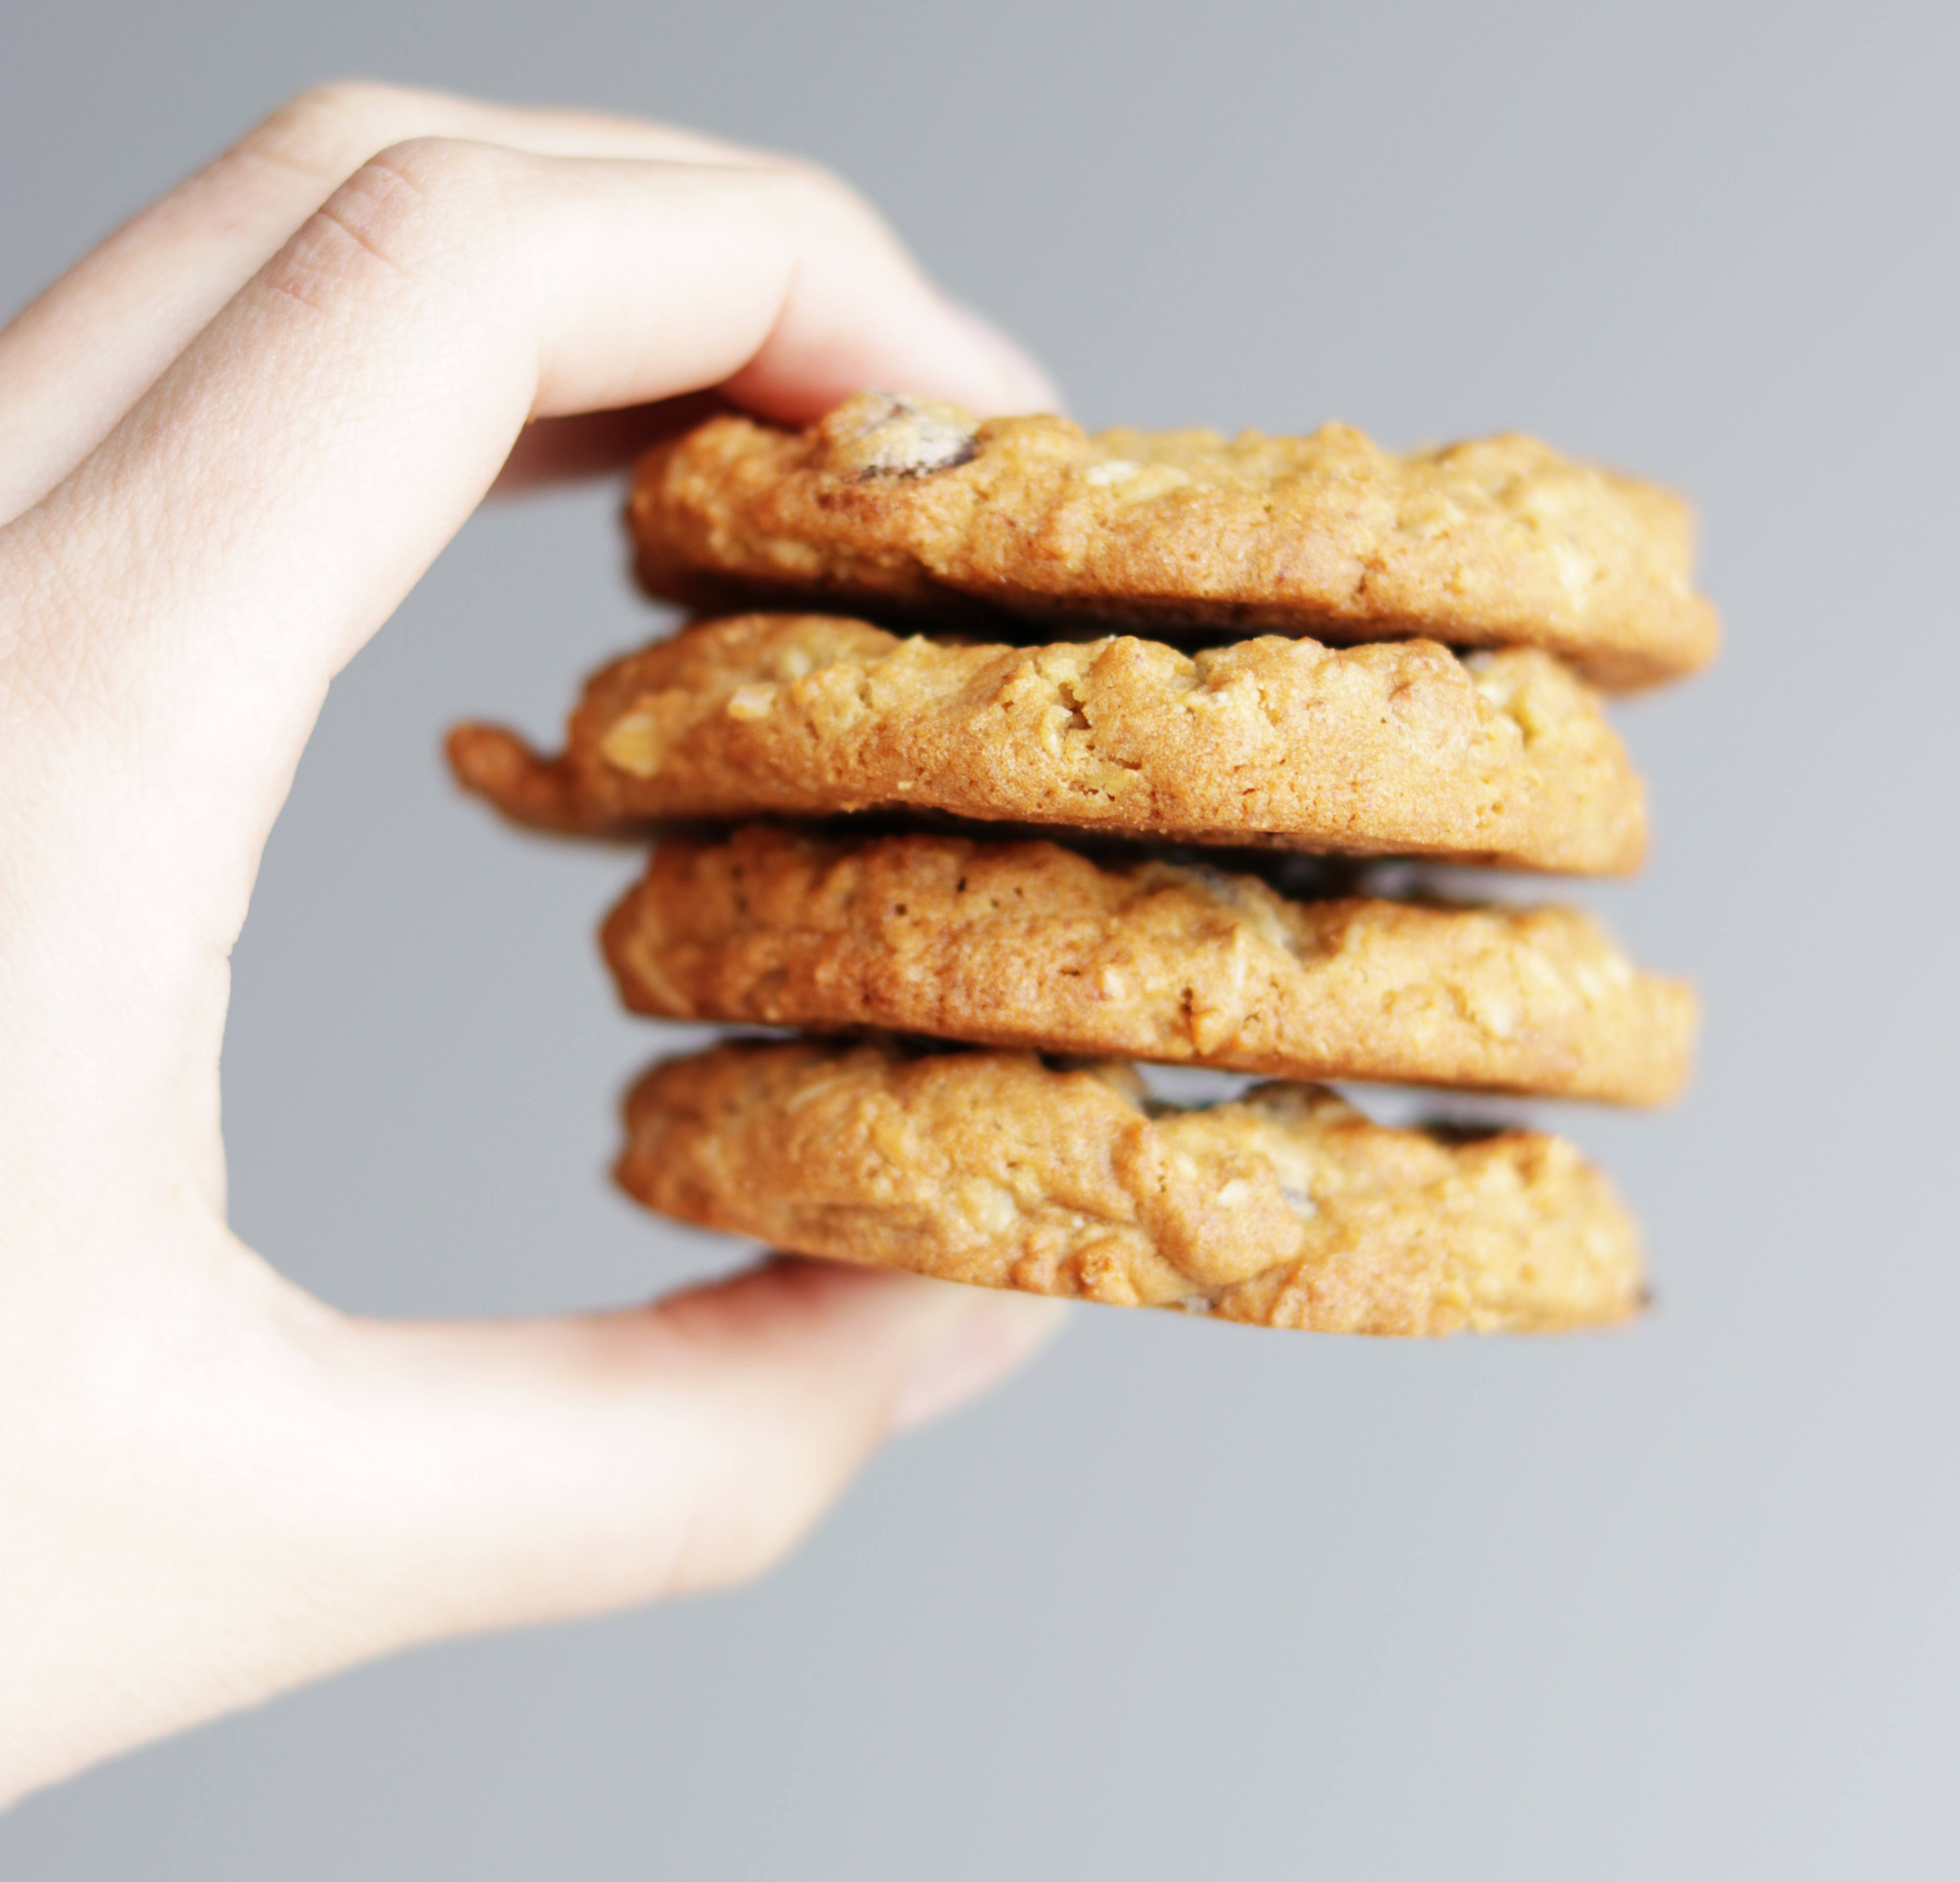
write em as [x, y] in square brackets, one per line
[524, 1471]
[246, 1492]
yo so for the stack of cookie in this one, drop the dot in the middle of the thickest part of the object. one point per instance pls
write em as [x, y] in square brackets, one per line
[1106, 804]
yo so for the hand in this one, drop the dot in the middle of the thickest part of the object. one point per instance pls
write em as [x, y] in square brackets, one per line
[230, 441]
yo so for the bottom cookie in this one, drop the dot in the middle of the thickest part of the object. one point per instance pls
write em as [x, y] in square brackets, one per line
[1284, 1208]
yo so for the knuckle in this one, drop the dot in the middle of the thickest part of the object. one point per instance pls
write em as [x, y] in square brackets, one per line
[327, 128]
[357, 100]
[449, 200]
[835, 211]
[343, 101]
[821, 191]
[439, 164]
[424, 213]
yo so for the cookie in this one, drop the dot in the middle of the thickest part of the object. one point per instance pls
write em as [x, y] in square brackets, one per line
[1031, 945]
[907, 502]
[1287, 1207]
[1397, 747]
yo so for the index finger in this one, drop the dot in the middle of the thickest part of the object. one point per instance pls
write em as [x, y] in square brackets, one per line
[80, 355]
[273, 497]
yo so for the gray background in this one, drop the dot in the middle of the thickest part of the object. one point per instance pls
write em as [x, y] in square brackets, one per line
[1676, 1601]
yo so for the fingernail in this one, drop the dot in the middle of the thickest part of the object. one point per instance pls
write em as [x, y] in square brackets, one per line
[991, 1338]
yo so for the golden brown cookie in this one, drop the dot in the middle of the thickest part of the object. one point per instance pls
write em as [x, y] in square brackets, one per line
[1398, 747]
[1498, 543]
[1028, 944]
[1288, 1207]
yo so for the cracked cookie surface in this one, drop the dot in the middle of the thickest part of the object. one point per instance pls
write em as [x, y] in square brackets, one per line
[1030, 944]
[1286, 1207]
[1392, 748]
[1501, 542]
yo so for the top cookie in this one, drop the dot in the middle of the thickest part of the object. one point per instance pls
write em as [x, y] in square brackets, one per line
[1500, 542]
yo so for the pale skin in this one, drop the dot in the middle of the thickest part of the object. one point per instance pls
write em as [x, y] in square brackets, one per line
[231, 440]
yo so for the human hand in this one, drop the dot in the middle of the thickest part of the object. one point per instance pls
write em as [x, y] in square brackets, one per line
[234, 437]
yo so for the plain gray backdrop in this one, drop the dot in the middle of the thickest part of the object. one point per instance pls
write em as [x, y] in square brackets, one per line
[1188, 1599]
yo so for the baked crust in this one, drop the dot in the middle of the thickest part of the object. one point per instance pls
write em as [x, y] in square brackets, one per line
[1288, 1207]
[1031, 945]
[1397, 747]
[1498, 543]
